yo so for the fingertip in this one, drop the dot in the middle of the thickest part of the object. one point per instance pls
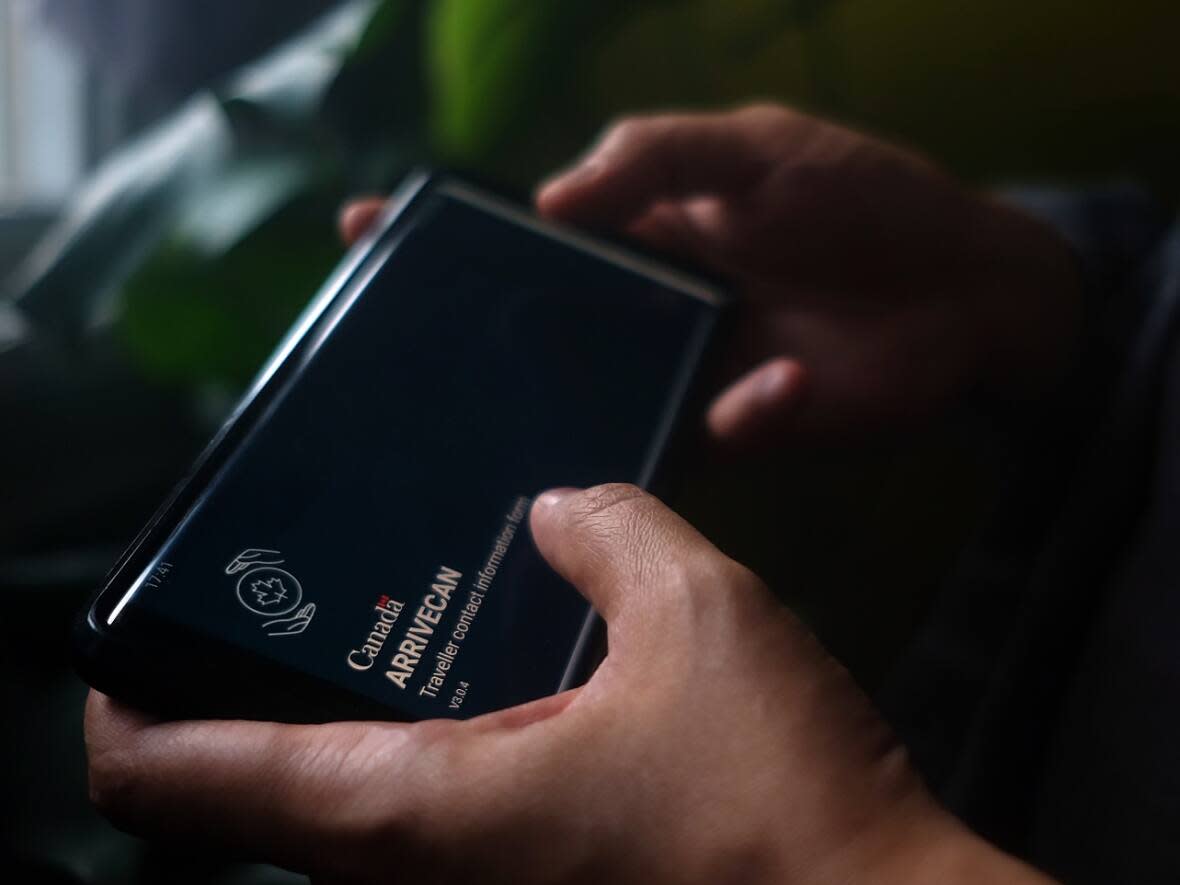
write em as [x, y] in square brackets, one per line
[778, 380]
[547, 196]
[562, 194]
[357, 216]
[757, 404]
[546, 506]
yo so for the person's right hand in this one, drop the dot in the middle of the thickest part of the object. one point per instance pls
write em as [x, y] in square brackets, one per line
[874, 288]
[718, 742]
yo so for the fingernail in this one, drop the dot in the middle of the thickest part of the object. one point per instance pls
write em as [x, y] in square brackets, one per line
[354, 218]
[551, 498]
[780, 379]
[773, 379]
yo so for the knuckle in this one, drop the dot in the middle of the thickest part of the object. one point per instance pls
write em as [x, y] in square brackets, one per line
[715, 585]
[679, 581]
[767, 113]
[608, 503]
[762, 108]
[627, 131]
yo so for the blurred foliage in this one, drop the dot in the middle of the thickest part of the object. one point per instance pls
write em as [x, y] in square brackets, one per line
[201, 241]
[1005, 89]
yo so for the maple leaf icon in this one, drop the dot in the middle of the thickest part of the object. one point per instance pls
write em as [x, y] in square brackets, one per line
[269, 592]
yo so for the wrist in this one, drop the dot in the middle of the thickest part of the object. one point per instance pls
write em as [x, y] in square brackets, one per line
[937, 849]
[912, 840]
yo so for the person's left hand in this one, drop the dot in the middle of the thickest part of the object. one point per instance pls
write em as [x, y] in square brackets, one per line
[874, 290]
[291, 625]
[717, 742]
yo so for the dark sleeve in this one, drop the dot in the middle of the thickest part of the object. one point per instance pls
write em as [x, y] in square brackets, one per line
[1115, 233]
[943, 689]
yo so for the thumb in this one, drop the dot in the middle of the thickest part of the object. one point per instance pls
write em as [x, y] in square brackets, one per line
[621, 548]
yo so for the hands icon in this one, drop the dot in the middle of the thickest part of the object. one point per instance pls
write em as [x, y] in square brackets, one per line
[267, 590]
[252, 557]
[292, 626]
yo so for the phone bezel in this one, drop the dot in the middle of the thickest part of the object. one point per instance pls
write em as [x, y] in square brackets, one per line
[227, 681]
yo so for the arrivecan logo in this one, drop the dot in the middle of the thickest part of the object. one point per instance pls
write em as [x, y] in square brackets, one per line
[266, 590]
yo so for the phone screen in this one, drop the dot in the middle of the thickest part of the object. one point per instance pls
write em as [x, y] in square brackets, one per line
[370, 527]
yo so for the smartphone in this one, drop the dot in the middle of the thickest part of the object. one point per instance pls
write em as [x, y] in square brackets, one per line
[354, 542]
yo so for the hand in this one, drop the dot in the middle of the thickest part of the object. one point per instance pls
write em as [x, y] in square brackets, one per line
[292, 625]
[874, 287]
[717, 742]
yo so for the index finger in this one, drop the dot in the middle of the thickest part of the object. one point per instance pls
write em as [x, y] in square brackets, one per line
[641, 161]
[310, 797]
[295, 795]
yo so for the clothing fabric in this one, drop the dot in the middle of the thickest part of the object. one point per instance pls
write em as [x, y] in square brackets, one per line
[1042, 700]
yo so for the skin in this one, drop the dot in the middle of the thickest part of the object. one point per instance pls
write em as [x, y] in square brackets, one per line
[718, 741]
[874, 289]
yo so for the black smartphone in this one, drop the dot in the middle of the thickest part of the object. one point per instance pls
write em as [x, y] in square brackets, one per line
[354, 543]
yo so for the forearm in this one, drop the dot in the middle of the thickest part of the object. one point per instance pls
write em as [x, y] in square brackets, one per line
[1076, 252]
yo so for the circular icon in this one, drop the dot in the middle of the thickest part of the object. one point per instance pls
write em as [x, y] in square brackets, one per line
[269, 591]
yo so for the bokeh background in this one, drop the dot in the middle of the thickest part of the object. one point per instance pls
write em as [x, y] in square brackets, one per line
[170, 172]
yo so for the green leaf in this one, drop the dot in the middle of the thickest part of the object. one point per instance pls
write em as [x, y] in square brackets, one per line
[194, 321]
[497, 69]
